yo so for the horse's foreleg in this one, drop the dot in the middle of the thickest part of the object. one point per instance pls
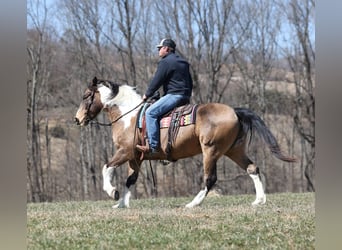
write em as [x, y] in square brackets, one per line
[124, 202]
[108, 170]
[210, 178]
[107, 174]
[253, 172]
[131, 180]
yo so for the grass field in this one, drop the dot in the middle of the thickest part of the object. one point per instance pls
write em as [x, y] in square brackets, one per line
[225, 222]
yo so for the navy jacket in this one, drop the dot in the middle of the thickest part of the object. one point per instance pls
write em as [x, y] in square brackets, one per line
[173, 74]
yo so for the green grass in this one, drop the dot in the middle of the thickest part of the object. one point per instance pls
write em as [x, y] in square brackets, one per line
[226, 222]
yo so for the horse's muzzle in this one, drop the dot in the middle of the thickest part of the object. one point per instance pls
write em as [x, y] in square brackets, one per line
[83, 122]
[77, 121]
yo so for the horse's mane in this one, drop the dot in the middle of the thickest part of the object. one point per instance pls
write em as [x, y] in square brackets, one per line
[126, 96]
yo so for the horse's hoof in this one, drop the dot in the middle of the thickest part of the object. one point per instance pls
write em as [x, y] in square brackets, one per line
[121, 204]
[259, 201]
[116, 195]
[116, 206]
[189, 206]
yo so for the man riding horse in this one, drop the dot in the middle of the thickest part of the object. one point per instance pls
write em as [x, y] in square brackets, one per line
[174, 75]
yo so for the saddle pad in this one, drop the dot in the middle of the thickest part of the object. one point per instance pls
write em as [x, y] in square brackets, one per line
[185, 120]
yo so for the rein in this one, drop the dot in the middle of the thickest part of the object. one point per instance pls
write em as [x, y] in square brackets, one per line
[111, 123]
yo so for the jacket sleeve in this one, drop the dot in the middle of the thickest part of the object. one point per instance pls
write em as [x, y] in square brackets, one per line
[159, 78]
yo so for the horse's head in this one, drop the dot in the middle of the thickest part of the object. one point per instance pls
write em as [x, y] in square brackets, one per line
[90, 105]
[104, 94]
[94, 100]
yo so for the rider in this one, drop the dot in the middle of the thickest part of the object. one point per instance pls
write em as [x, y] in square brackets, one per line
[173, 74]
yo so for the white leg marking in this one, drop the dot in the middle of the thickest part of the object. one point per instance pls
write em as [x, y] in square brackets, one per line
[198, 199]
[124, 202]
[260, 194]
[107, 174]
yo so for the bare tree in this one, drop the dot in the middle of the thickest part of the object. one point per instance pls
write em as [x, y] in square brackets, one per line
[84, 25]
[232, 47]
[124, 25]
[200, 29]
[301, 59]
[257, 55]
[39, 65]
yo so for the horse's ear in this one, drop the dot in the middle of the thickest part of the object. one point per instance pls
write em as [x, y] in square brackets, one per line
[95, 81]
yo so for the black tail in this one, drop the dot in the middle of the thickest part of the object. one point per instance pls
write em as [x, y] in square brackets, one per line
[251, 122]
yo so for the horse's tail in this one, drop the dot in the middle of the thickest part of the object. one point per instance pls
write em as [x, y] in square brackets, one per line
[251, 122]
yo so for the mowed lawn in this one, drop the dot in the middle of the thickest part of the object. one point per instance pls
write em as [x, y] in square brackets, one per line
[286, 221]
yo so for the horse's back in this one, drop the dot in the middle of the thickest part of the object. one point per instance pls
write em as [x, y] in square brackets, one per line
[216, 114]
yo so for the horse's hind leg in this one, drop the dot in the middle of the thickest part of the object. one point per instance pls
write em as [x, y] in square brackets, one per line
[238, 155]
[210, 177]
[253, 172]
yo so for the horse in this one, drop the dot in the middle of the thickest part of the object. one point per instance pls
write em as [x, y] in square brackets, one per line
[219, 130]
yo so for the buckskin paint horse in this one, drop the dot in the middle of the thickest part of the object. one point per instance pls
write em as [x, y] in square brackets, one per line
[219, 130]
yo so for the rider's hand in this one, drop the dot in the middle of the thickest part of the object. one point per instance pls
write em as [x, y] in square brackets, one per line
[144, 98]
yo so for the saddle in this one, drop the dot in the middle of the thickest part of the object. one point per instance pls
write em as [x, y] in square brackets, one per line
[173, 120]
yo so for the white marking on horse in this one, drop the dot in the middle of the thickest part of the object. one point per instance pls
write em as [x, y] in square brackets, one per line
[124, 202]
[198, 199]
[260, 194]
[126, 100]
[107, 174]
[105, 94]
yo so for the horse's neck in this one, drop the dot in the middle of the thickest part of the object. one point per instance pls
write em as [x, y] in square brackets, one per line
[124, 106]
[121, 117]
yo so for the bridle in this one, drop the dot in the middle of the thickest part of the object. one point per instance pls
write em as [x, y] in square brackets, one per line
[88, 104]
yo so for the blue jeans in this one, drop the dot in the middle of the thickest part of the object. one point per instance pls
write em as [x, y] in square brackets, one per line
[155, 112]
